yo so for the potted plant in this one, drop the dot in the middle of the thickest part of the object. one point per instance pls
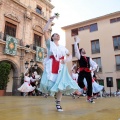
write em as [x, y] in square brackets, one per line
[4, 79]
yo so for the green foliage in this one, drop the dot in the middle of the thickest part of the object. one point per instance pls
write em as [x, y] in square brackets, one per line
[4, 72]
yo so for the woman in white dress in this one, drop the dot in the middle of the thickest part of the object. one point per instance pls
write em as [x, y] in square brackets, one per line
[96, 87]
[74, 76]
[26, 87]
[55, 78]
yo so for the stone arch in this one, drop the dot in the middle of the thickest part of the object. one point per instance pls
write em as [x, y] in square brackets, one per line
[14, 77]
[38, 28]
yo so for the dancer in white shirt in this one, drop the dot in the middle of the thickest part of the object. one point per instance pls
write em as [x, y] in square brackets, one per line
[26, 86]
[55, 78]
[85, 63]
[74, 76]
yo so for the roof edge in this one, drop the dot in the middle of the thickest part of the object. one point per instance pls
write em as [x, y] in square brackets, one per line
[90, 20]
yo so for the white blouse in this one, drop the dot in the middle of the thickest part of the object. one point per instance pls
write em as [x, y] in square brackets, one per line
[93, 64]
[75, 76]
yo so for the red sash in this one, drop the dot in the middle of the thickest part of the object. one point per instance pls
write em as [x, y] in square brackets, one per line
[55, 64]
[84, 69]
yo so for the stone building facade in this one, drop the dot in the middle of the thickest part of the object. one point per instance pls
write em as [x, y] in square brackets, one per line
[24, 20]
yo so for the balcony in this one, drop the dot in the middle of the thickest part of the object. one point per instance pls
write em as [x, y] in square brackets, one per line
[33, 47]
[20, 43]
[3, 37]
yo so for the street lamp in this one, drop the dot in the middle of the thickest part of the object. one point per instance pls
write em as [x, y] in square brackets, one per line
[26, 64]
[31, 62]
[35, 66]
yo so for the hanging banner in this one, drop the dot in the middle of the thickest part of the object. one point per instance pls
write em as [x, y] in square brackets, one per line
[39, 54]
[11, 45]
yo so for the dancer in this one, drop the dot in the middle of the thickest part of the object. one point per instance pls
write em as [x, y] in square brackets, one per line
[96, 88]
[85, 63]
[55, 79]
[74, 76]
[26, 86]
[34, 80]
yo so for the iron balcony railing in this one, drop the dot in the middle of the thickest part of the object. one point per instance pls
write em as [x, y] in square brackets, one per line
[20, 42]
[3, 37]
[33, 46]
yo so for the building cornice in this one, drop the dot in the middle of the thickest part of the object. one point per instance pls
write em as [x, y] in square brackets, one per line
[38, 15]
[30, 10]
[19, 3]
[48, 3]
[90, 20]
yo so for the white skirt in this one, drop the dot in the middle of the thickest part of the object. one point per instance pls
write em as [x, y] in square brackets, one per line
[26, 87]
[96, 87]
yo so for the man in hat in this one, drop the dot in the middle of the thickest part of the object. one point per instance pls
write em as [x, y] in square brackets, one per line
[84, 71]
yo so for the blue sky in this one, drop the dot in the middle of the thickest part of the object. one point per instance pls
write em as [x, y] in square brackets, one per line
[74, 11]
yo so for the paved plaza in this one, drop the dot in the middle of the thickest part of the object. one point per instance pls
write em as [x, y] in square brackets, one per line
[40, 108]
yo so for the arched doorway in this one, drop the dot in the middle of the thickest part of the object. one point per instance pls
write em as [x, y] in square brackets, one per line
[13, 79]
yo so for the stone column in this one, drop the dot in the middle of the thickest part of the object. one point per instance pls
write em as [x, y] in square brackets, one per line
[16, 85]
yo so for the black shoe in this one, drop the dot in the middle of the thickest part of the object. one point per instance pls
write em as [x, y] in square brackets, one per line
[73, 96]
[58, 106]
[90, 100]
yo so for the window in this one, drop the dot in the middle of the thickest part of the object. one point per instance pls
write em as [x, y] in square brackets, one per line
[74, 32]
[116, 42]
[115, 20]
[93, 27]
[118, 19]
[37, 41]
[112, 20]
[98, 61]
[10, 29]
[73, 50]
[81, 28]
[39, 10]
[84, 28]
[95, 46]
[117, 57]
